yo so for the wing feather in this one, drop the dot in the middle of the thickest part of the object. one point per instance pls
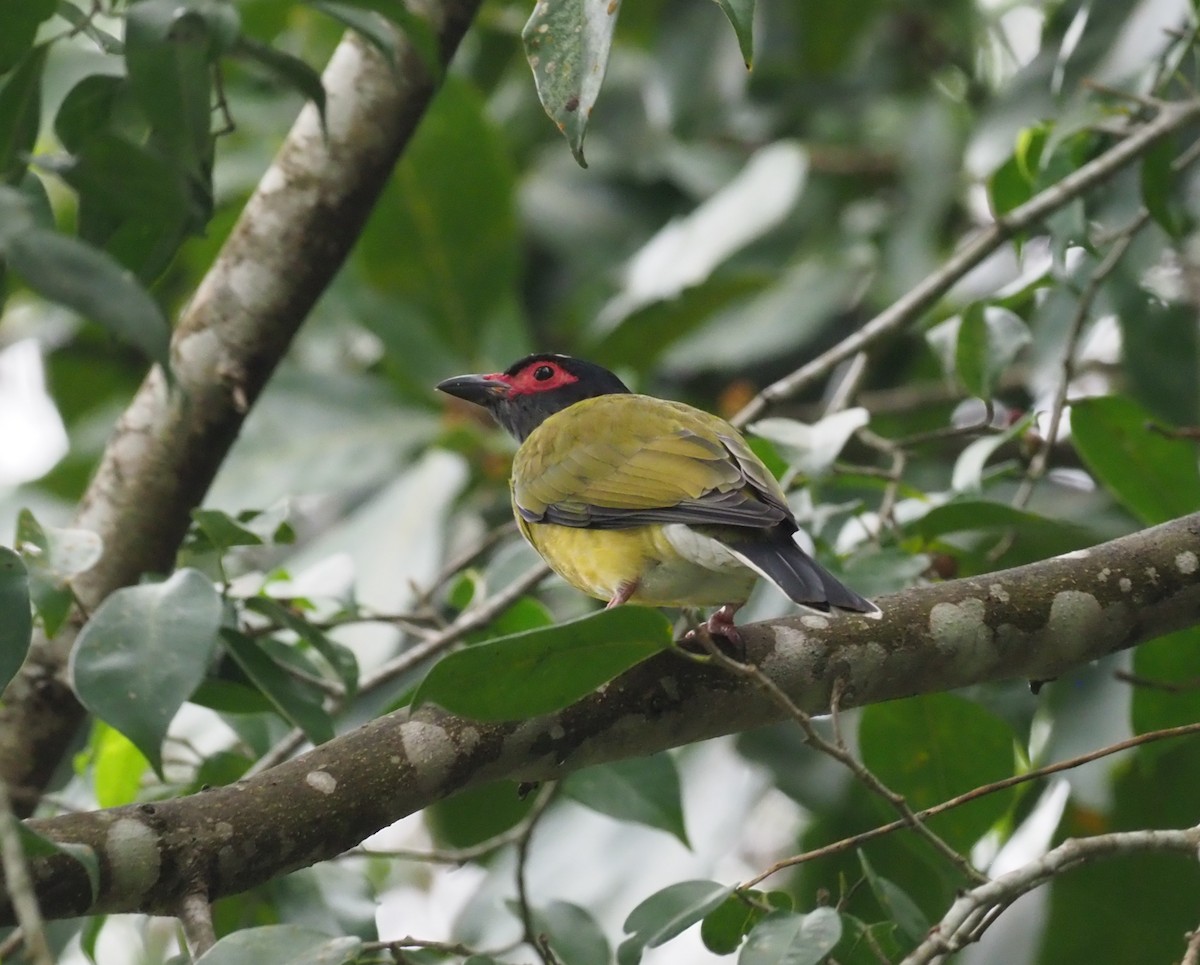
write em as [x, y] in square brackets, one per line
[620, 461]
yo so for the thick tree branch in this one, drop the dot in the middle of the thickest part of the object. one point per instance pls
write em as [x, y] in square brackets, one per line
[1035, 622]
[1170, 118]
[291, 239]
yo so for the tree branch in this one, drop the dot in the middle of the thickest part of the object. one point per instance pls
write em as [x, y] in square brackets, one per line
[288, 244]
[906, 309]
[1035, 621]
[971, 913]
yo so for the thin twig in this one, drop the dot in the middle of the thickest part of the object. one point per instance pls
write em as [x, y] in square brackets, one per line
[20, 886]
[853, 841]
[537, 941]
[838, 751]
[974, 250]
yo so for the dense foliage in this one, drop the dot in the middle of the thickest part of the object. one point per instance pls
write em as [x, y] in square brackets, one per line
[978, 217]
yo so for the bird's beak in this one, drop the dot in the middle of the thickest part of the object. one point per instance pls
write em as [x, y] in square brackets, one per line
[480, 389]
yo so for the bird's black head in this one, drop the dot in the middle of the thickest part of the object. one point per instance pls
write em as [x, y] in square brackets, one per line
[529, 390]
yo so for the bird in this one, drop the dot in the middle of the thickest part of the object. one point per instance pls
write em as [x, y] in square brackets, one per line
[635, 499]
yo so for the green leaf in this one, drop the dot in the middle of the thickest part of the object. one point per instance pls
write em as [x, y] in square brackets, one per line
[290, 70]
[726, 925]
[16, 619]
[223, 531]
[972, 515]
[934, 747]
[21, 22]
[668, 913]
[1166, 694]
[741, 17]
[365, 16]
[341, 659]
[20, 113]
[968, 467]
[52, 556]
[544, 670]
[119, 767]
[1015, 181]
[477, 814]
[169, 45]
[1157, 179]
[424, 245]
[573, 933]
[790, 938]
[989, 339]
[1154, 477]
[133, 202]
[896, 903]
[644, 790]
[143, 652]
[37, 846]
[567, 44]
[301, 706]
[230, 697]
[75, 274]
[87, 109]
[282, 945]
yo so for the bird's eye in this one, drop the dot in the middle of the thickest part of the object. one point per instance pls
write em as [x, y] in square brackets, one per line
[543, 372]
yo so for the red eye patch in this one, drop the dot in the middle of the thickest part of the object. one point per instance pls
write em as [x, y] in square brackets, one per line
[538, 377]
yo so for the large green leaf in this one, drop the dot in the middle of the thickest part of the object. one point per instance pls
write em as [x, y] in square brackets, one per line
[143, 652]
[443, 238]
[790, 938]
[16, 618]
[282, 945]
[20, 114]
[935, 747]
[75, 274]
[667, 913]
[567, 43]
[897, 904]
[642, 789]
[544, 670]
[1154, 477]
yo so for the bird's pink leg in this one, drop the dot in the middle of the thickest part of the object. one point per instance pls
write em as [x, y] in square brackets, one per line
[720, 624]
[624, 592]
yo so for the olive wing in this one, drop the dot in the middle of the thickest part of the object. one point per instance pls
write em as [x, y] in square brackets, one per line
[620, 461]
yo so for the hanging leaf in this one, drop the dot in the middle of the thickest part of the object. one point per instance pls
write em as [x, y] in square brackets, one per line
[989, 339]
[567, 43]
[143, 652]
[289, 70]
[741, 17]
[644, 790]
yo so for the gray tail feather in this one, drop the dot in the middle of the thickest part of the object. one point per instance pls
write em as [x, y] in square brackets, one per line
[798, 575]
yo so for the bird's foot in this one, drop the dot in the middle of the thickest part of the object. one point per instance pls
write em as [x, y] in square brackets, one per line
[721, 630]
[624, 592]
